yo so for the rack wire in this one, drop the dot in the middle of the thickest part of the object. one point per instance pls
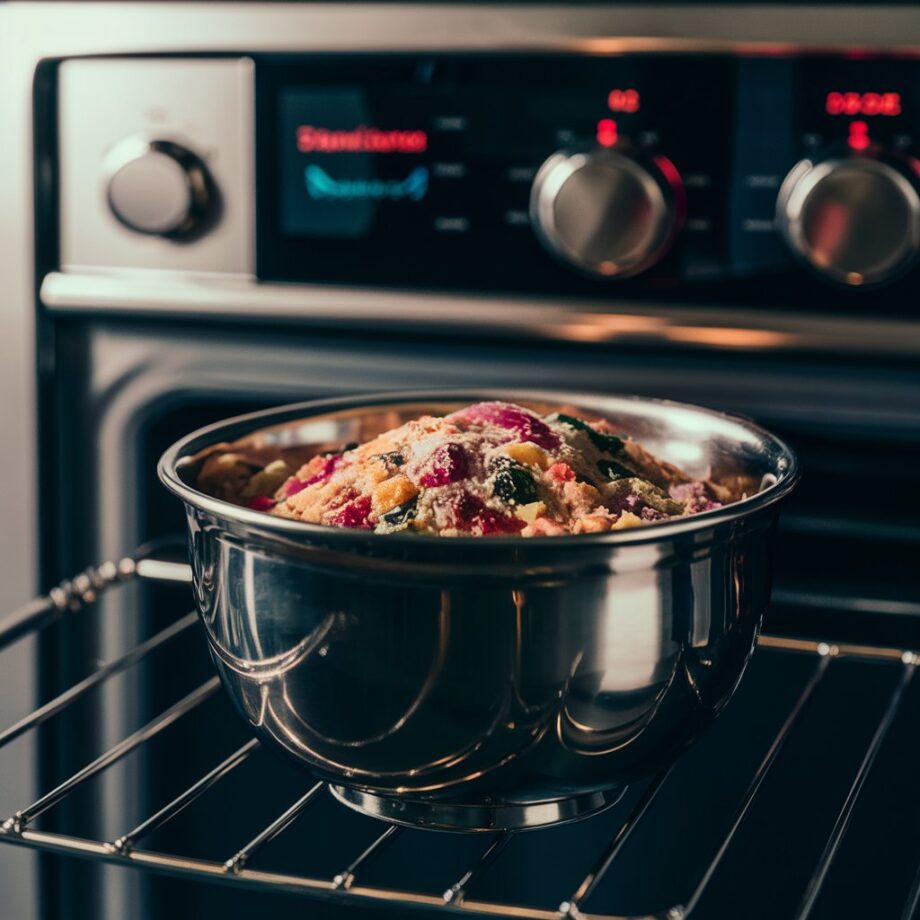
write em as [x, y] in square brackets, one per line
[69, 598]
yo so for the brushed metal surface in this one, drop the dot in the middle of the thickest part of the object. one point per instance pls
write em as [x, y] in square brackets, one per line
[855, 220]
[603, 212]
[30, 32]
[158, 188]
[202, 106]
[686, 327]
[474, 683]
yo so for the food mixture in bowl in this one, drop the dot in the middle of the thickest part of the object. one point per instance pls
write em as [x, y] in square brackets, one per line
[489, 468]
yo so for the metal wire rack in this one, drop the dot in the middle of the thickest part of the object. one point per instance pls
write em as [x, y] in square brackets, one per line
[69, 598]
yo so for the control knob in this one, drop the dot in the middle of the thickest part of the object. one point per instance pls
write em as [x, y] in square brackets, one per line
[854, 218]
[610, 213]
[158, 187]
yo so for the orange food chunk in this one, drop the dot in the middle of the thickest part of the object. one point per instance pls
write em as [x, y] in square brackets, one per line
[393, 492]
[592, 523]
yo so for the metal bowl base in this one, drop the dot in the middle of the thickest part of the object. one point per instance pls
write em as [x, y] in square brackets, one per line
[476, 817]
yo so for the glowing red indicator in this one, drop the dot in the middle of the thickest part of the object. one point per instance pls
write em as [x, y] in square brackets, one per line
[859, 136]
[863, 104]
[359, 140]
[623, 100]
[607, 132]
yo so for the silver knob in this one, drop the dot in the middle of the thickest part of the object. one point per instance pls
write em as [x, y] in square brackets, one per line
[158, 187]
[854, 219]
[606, 212]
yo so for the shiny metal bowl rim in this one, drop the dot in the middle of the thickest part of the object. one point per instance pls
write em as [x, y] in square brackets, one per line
[172, 459]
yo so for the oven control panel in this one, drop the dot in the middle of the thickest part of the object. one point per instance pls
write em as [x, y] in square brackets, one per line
[517, 172]
[591, 174]
[755, 178]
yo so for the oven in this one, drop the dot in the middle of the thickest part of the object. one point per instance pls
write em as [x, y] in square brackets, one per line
[240, 205]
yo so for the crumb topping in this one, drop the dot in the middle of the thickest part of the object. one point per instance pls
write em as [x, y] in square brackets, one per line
[490, 468]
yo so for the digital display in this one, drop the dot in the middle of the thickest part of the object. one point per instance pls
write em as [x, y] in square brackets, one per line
[340, 168]
[862, 103]
[858, 138]
[416, 169]
[623, 100]
[607, 132]
[362, 139]
[321, 186]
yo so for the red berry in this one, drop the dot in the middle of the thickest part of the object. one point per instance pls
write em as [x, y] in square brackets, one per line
[447, 463]
[472, 515]
[525, 424]
[492, 522]
[561, 472]
[324, 471]
[261, 503]
[328, 468]
[354, 514]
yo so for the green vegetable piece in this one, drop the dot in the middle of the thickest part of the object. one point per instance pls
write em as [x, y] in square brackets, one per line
[513, 483]
[268, 480]
[654, 497]
[609, 443]
[401, 515]
[613, 470]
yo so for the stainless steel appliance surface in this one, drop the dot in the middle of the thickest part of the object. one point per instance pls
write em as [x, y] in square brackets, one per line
[515, 683]
[210, 209]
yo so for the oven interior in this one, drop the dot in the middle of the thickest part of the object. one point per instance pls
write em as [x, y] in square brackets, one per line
[825, 720]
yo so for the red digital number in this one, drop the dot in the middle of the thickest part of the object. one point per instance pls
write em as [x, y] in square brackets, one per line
[891, 104]
[607, 132]
[859, 135]
[623, 100]
[862, 103]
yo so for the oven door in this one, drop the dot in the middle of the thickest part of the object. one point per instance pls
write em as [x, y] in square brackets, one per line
[125, 389]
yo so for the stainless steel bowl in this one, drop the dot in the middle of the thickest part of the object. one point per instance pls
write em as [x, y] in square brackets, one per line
[483, 683]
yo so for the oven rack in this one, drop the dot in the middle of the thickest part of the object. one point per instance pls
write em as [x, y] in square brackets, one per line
[70, 597]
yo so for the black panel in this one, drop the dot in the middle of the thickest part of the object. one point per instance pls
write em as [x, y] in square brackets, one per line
[415, 170]
[446, 204]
